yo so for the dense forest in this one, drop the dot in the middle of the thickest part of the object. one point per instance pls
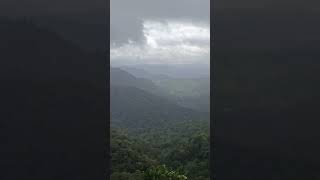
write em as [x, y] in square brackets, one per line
[186, 151]
[152, 133]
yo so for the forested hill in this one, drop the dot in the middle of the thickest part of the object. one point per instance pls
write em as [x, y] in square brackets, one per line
[149, 128]
[121, 78]
[191, 91]
[136, 109]
[137, 103]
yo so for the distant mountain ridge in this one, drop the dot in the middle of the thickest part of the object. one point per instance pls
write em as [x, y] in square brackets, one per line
[119, 77]
[138, 109]
[170, 70]
[136, 105]
[192, 92]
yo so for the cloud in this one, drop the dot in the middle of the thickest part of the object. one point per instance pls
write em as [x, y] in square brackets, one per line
[126, 15]
[166, 42]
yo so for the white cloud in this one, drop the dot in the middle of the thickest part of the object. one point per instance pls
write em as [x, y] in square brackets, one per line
[166, 41]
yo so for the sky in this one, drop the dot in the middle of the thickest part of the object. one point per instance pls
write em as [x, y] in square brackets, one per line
[160, 32]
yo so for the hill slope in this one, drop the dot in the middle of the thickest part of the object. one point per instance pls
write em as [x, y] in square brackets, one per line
[137, 109]
[121, 78]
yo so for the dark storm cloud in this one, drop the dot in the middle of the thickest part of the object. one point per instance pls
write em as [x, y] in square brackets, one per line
[160, 31]
[127, 15]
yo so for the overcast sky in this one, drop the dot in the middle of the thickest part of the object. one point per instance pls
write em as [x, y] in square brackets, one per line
[166, 31]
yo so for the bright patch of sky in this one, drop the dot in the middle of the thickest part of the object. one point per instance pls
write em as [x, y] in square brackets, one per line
[166, 42]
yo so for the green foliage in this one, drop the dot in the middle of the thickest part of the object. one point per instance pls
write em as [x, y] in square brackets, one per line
[191, 155]
[163, 173]
[154, 138]
[184, 148]
[128, 154]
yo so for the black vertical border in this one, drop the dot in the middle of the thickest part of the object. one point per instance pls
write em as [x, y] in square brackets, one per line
[33, 161]
[212, 94]
[107, 65]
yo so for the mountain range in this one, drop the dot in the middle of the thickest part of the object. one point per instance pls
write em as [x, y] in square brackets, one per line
[136, 104]
[188, 85]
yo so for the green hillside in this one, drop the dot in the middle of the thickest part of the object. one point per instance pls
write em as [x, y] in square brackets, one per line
[150, 130]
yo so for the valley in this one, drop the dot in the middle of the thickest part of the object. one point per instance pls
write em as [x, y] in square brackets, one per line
[151, 128]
